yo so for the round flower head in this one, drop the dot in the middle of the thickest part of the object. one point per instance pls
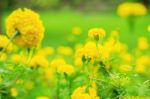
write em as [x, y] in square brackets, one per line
[96, 33]
[131, 9]
[28, 26]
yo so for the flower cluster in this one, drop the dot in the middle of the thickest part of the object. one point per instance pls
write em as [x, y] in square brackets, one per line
[103, 67]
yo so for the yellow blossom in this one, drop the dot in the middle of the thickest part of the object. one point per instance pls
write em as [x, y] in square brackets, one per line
[28, 26]
[148, 28]
[5, 44]
[96, 33]
[13, 92]
[66, 68]
[42, 97]
[39, 61]
[80, 93]
[3, 56]
[55, 63]
[17, 58]
[64, 50]
[88, 53]
[143, 43]
[46, 51]
[131, 9]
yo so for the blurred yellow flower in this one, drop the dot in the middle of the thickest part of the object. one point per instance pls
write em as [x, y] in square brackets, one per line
[55, 63]
[46, 51]
[13, 92]
[143, 43]
[17, 58]
[39, 61]
[28, 26]
[131, 9]
[49, 74]
[78, 62]
[96, 33]
[66, 68]
[148, 28]
[65, 50]
[142, 63]
[42, 97]
[80, 93]
[5, 44]
[3, 56]
[76, 30]
[87, 53]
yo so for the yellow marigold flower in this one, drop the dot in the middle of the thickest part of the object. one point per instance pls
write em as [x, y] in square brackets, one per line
[131, 9]
[143, 43]
[114, 33]
[39, 61]
[80, 93]
[148, 28]
[78, 62]
[143, 60]
[67, 68]
[49, 74]
[64, 50]
[142, 63]
[17, 58]
[13, 92]
[76, 30]
[96, 33]
[5, 44]
[55, 63]
[104, 52]
[88, 53]
[3, 56]
[28, 25]
[42, 97]
[126, 57]
[46, 51]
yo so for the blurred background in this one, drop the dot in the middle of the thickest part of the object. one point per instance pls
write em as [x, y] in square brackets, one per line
[63, 17]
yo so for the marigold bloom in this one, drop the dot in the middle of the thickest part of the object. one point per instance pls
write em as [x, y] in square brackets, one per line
[80, 93]
[131, 9]
[5, 44]
[28, 26]
[65, 50]
[13, 92]
[42, 97]
[17, 58]
[143, 43]
[87, 53]
[3, 57]
[55, 63]
[67, 68]
[96, 33]
[39, 61]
